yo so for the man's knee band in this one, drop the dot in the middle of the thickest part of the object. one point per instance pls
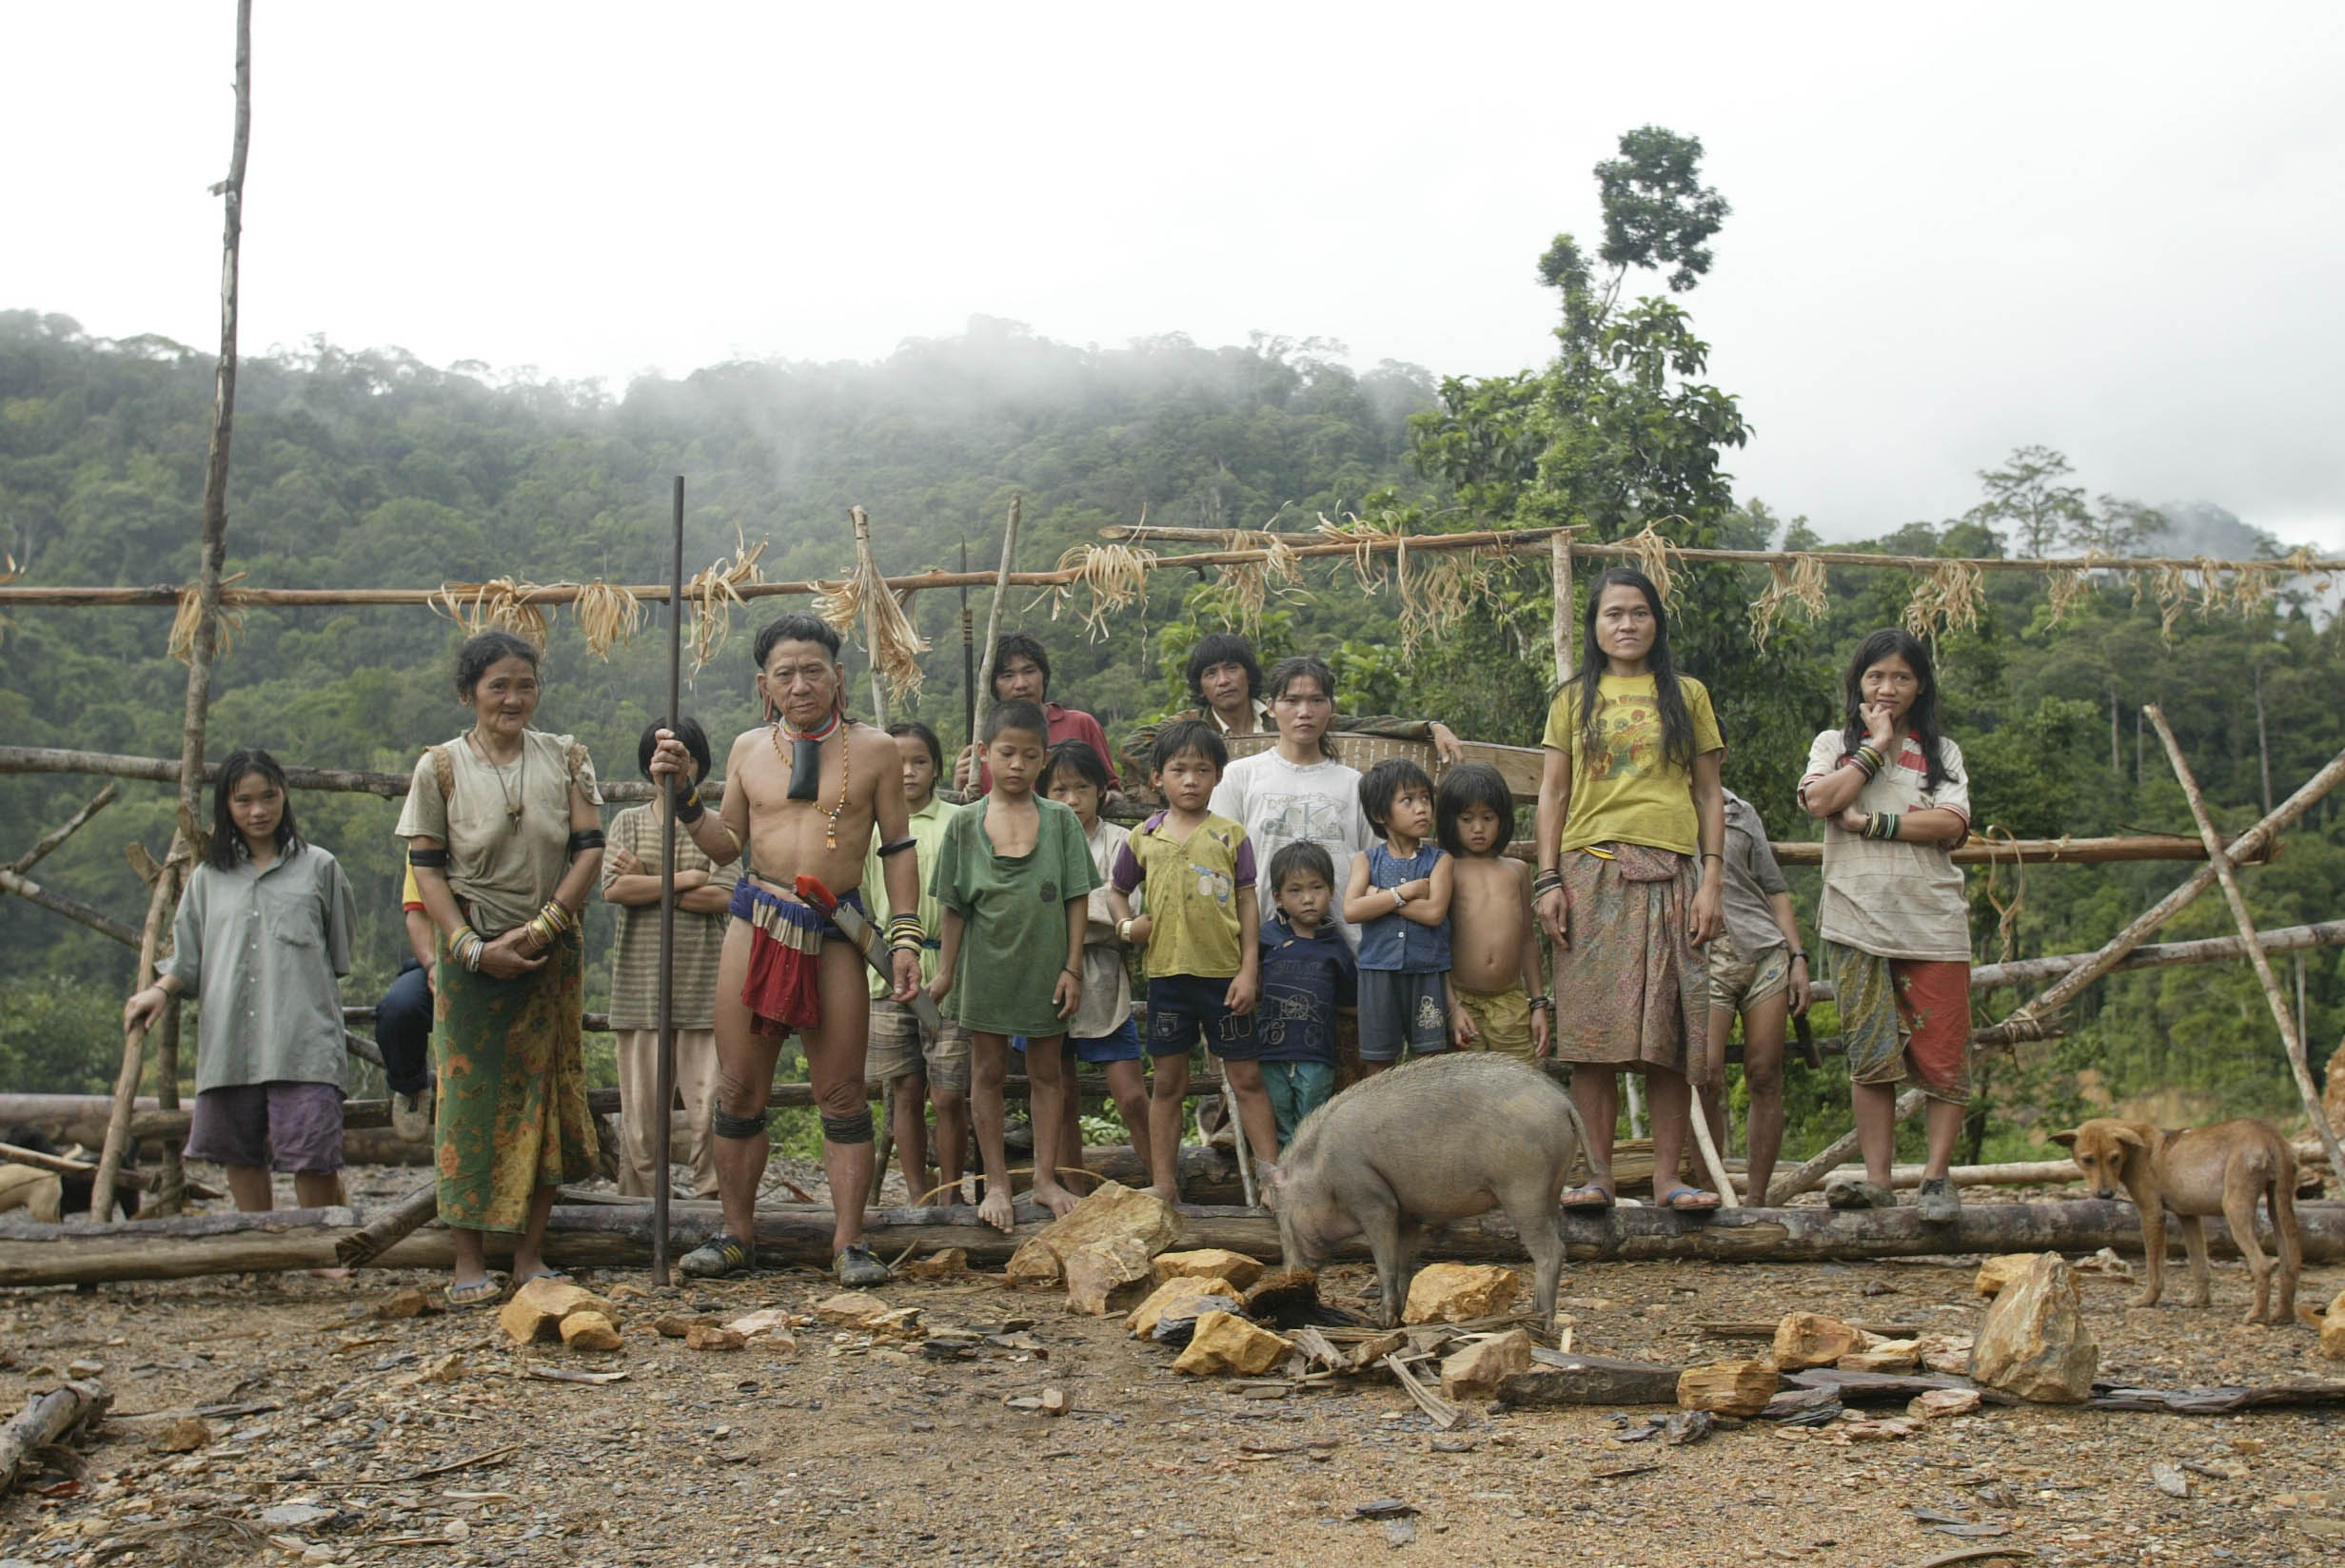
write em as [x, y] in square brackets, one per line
[725, 1124]
[848, 1130]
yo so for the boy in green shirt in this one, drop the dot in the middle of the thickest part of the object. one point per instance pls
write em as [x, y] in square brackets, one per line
[1014, 876]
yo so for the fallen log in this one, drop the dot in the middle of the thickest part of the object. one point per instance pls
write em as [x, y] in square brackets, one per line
[44, 1421]
[378, 1235]
[612, 1236]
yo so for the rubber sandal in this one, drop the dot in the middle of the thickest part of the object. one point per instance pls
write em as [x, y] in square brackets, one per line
[479, 1293]
[560, 1276]
[1671, 1200]
[1588, 1200]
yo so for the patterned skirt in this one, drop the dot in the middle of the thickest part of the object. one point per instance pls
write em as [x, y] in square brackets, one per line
[512, 1114]
[1631, 990]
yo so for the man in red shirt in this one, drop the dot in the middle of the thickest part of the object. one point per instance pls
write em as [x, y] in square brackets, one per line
[1022, 674]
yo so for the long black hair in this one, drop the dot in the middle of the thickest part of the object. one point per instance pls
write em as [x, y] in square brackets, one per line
[227, 840]
[1287, 670]
[1677, 723]
[1222, 648]
[1921, 717]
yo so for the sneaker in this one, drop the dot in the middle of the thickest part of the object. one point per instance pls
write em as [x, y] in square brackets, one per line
[857, 1269]
[411, 1115]
[715, 1258]
[1856, 1193]
[1937, 1201]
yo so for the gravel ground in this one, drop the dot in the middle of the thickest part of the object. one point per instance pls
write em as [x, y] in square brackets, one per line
[851, 1449]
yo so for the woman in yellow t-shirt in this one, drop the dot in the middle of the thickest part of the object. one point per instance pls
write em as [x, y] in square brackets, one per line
[1632, 827]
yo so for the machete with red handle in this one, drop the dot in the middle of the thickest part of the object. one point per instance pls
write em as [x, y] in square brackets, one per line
[858, 932]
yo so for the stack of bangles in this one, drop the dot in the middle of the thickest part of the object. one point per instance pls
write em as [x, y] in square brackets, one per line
[1548, 881]
[1881, 824]
[904, 933]
[1865, 760]
[466, 945]
[551, 922]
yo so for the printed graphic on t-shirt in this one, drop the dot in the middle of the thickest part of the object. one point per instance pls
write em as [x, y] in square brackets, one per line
[1289, 818]
[1627, 730]
[1213, 883]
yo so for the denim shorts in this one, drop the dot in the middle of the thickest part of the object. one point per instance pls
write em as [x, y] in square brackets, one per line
[1121, 1045]
[1183, 1008]
[1400, 1008]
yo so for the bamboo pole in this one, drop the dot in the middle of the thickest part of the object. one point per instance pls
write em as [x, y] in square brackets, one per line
[983, 701]
[1566, 613]
[72, 909]
[55, 837]
[2027, 1023]
[2290, 1039]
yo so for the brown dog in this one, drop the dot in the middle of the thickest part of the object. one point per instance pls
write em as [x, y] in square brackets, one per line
[2222, 1170]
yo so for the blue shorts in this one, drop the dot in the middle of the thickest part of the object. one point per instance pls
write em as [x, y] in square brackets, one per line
[1184, 1008]
[1401, 1008]
[1122, 1046]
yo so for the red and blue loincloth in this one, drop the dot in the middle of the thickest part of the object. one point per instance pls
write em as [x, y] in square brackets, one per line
[783, 993]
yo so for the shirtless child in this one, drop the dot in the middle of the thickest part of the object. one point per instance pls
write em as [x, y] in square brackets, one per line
[1498, 997]
[802, 794]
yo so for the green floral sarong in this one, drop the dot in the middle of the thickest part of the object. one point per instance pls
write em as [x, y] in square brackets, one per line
[512, 1093]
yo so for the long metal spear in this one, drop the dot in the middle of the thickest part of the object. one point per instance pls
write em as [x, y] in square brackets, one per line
[664, 1095]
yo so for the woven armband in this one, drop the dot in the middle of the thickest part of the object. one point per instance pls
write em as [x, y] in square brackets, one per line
[429, 859]
[582, 842]
[897, 846]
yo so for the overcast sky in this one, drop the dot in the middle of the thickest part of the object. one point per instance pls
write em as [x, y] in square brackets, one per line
[2114, 230]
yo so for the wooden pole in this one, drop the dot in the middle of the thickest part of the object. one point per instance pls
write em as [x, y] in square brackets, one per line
[663, 1090]
[2027, 1023]
[55, 837]
[403, 1219]
[1810, 1175]
[2290, 1039]
[46, 1419]
[992, 614]
[203, 644]
[72, 909]
[1566, 613]
[871, 616]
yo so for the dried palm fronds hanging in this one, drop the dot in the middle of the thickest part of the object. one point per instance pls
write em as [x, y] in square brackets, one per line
[607, 615]
[842, 606]
[1653, 549]
[1115, 575]
[500, 602]
[2064, 586]
[1802, 583]
[716, 590]
[1433, 594]
[1949, 597]
[190, 612]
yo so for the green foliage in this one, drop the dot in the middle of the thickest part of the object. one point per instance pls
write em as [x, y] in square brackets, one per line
[58, 1035]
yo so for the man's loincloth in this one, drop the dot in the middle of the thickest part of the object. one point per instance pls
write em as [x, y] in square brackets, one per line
[783, 993]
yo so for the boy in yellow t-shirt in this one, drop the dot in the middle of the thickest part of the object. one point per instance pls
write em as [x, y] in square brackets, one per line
[1202, 932]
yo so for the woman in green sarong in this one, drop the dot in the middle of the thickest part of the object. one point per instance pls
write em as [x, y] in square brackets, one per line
[504, 829]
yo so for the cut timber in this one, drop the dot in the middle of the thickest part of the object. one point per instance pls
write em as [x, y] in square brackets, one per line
[44, 1421]
[386, 1229]
[612, 1236]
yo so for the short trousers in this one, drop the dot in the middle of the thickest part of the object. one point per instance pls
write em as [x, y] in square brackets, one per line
[1736, 985]
[243, 1124]
[785, 946]
[1123, 1045]
[1502, 1018]
[1183, 1008]
[1904, 1019]
[1296, 1090]
[899, 1047]
[1398, 1009]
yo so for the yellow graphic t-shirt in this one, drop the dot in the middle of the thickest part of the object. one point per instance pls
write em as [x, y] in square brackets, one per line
[1624, 788]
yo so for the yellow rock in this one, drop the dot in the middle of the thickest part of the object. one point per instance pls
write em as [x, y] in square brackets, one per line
[1107, 1274]
[2035, 1342]
[1459, 1292]
[587, 1329]
[1213, 1262]
[537, 1308]
[1887, 1356]
[1730, 1388]
[1947, 1353]
[184, 1435]
[1475, 1372]
[1033, 1266]
[938, 1266]
[1110, 1210]
[709, 1337]
[1809, 1339]
[1940, 1403]
[767, 1328]
[1232, 1345]
[1181, 1287]
[1999, 1271]
[851, 1308]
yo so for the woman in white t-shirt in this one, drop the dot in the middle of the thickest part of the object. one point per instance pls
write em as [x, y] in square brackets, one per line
[1894, 798]
[1297, 791]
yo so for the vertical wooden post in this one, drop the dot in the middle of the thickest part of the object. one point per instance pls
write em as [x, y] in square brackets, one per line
[212, 553]
[1566, 630]
[2290, 1039]
[663, 1070]
[983, 701]
[870, 570]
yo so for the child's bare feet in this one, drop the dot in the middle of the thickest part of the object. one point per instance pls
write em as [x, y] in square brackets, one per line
[995, 1210]
[1055, 1198]
[1171, 1195]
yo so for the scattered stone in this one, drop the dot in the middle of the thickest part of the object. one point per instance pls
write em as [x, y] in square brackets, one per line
[1946, 1353]
[938, 1266]
[2035, 1342]
[1575, 1379]
[1685, 1426]
[1225, 1342]
[1475, 1372]
[1110, 1210]
[1213, 1262]
[1033, 1266]
[410, 1303]
[1054, 1402]
[537, 1308]
[1180, 1321]
[83, 1367]
[295, 1516]
[1809, 1339]
[1999, 1271]
[1457, 1292]
[1730, 1388]
[709, 1337]
[1888, 1355]
[902, 1323]
[590, 1330]
[447, 1368]
[1142, 1319]
[677, 1326]
[767, 1328]
[2169, 1480]
[1106, 1275]
[851, 1308]
[1369, 1352]
[2332, 1329]
[1891, 1430]
[184, 1435]
[1940, 1402]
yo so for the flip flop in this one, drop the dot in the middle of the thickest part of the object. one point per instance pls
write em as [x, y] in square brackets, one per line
[1587, 1199]
[479, 1293]
[560, 1276]
[1704, 1200]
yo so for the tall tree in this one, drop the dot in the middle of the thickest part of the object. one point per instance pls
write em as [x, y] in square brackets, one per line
[2025, 498]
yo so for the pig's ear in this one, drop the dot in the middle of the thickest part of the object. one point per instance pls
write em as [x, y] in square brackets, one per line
[2066, 1140]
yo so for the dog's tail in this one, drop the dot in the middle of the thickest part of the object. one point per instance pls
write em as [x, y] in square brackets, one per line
[2282, 1197]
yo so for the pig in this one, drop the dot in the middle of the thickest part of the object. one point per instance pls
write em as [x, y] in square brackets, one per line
[1441, 1138]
